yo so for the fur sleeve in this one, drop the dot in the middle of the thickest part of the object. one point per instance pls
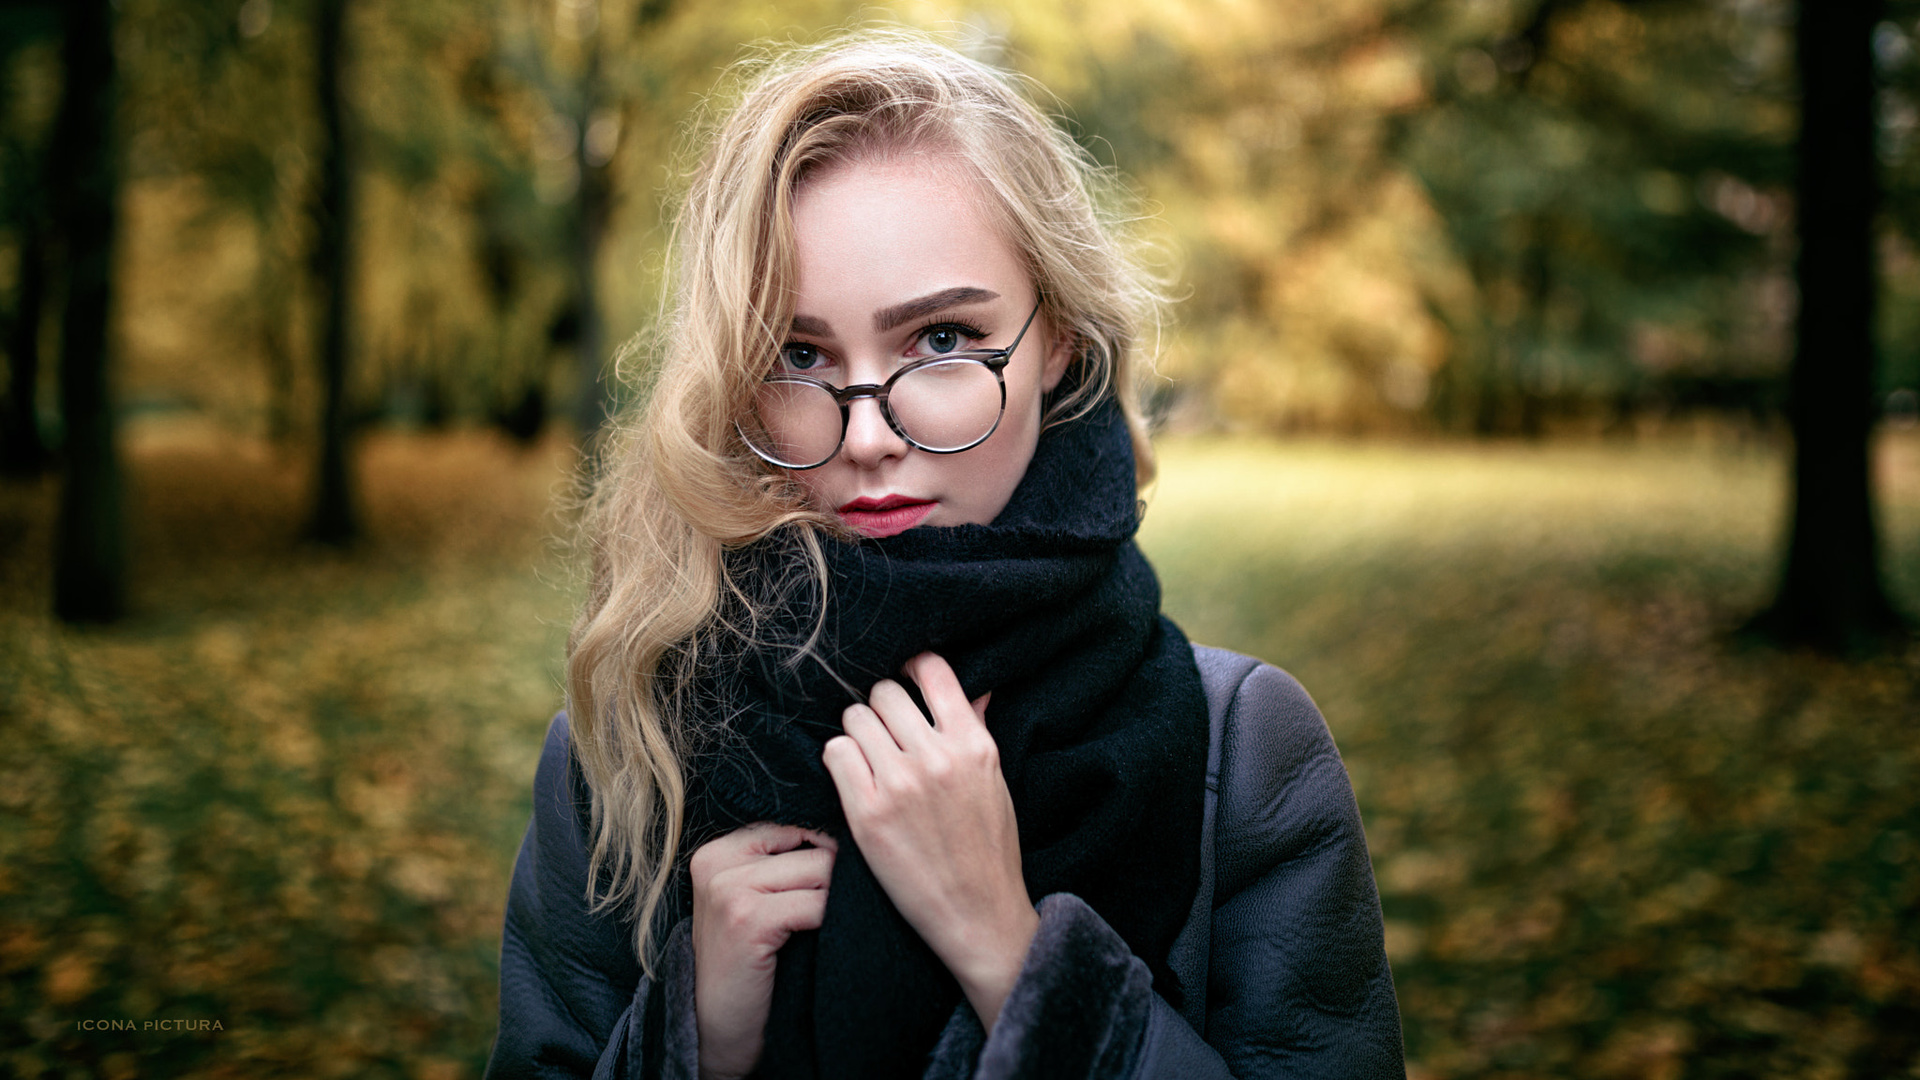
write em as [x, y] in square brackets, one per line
[1078, 1009]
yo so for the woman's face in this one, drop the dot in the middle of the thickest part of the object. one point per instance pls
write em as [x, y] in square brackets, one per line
[899, 260]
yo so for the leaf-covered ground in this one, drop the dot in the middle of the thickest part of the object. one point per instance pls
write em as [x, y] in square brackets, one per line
[286, 794]
[284, 797]
[1610, 840]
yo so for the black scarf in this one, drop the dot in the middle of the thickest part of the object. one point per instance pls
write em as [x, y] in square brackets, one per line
[1097, 710]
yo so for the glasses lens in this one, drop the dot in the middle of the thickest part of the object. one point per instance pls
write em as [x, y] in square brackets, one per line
[949, 405]
[799, 424]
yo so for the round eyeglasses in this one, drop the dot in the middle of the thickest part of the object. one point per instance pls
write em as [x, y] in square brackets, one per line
[942, 404]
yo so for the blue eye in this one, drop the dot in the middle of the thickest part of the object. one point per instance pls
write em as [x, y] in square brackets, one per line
[800, 357]
[947, 337]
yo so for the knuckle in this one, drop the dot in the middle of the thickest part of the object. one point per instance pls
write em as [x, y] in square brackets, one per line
[737, 911]
[901, 786]
[981, 749]
[702, 865]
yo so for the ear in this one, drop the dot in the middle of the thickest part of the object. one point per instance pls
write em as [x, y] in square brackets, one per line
[1058, 360]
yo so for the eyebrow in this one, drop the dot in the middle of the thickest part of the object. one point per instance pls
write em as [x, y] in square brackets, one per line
[887, 318]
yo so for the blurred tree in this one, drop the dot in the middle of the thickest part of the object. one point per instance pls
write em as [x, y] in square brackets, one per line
[89, 572]
[588, 75]
[219, 114]
[1614, 178]
[597, 128]
[1831, 594]
[334, 520]
[24, 215]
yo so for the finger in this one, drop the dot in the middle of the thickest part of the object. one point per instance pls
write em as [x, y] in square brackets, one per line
[807, 868]
[864, 725]
[751, 842]
[941, 687]
[852, 775]
[799, 909]
[980, 705]
[905, 723]
[764, 838]
[763, 921]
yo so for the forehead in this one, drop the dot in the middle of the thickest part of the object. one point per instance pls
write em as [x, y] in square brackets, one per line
[900, 222]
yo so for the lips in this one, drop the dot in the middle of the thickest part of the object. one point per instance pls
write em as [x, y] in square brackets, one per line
[885, 516]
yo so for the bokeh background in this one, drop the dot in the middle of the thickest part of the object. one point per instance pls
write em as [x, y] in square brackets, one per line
[1475, 415]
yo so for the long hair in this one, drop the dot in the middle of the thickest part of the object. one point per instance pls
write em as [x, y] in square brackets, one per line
[681, 486]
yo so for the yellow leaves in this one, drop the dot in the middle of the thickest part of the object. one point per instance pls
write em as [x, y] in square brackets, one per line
[1384, 74]
[1647, 1050]
[1404, 941]
[381, 801]
[1836, 948]
[439, 1069]
[70, 976]
[20, 946]
[1608, 843]
[423, 878]
[1601, 32]
[1676, 900]
[1422, 871]
[298, 809]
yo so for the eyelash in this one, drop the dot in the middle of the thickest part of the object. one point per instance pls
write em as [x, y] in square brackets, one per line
[966, 330]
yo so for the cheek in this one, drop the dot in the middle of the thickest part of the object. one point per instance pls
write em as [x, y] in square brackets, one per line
[819, 484]
[1010, 450]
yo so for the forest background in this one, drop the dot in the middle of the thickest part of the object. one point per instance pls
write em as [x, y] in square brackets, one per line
[1475, 402]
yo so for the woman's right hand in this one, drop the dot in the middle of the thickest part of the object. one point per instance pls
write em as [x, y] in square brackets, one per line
[752, 888]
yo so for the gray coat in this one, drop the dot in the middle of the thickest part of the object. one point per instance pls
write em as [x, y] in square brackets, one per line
[1281, 965]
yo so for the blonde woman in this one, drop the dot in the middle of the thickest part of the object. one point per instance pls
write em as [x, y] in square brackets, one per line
[880, 759]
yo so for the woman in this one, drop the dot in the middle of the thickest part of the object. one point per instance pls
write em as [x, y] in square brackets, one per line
[882, 761]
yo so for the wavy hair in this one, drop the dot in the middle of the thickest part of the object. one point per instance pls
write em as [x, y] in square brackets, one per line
[680, 486]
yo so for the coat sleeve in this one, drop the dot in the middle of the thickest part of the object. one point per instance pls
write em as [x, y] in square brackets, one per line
[1297, 978]
[573, 1001]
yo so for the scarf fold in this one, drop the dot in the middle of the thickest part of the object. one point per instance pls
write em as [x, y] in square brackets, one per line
[1097, 711]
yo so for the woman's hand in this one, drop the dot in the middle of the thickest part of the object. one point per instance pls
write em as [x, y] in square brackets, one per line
[752, 888]
[930, 811]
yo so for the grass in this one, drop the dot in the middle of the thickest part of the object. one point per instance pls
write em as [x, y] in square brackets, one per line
[285, 795]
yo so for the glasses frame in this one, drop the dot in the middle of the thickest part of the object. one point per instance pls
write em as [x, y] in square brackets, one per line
[995, 360]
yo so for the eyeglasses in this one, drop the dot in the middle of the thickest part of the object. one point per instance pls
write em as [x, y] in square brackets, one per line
[943, 404]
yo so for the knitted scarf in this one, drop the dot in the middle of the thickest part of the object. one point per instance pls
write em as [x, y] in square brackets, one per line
[1097, 711]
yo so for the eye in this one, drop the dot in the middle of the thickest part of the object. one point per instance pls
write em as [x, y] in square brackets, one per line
[798, 357]
[946, 337]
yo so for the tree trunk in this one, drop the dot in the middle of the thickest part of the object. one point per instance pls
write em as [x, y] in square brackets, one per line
[335, 519]
[593, 203]
[1831, 595]
[89, 571]
[23, 452]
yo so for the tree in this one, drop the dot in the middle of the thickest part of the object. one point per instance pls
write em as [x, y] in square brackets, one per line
[335, 520]
[89, 574]
[1830, 594]
[22, 450]
[588, 78]
[24, 212]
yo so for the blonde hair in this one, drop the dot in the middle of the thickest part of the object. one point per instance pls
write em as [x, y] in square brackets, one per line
[681, 487]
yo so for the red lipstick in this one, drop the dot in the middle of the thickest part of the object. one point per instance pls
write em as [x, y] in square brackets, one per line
[885, 516]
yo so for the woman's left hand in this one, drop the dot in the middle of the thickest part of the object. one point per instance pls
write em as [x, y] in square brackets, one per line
[930, 810]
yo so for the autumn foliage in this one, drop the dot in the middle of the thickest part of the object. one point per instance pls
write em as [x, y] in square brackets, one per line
[1611, 841]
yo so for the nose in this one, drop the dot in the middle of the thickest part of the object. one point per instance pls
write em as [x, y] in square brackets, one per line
[870, 439]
